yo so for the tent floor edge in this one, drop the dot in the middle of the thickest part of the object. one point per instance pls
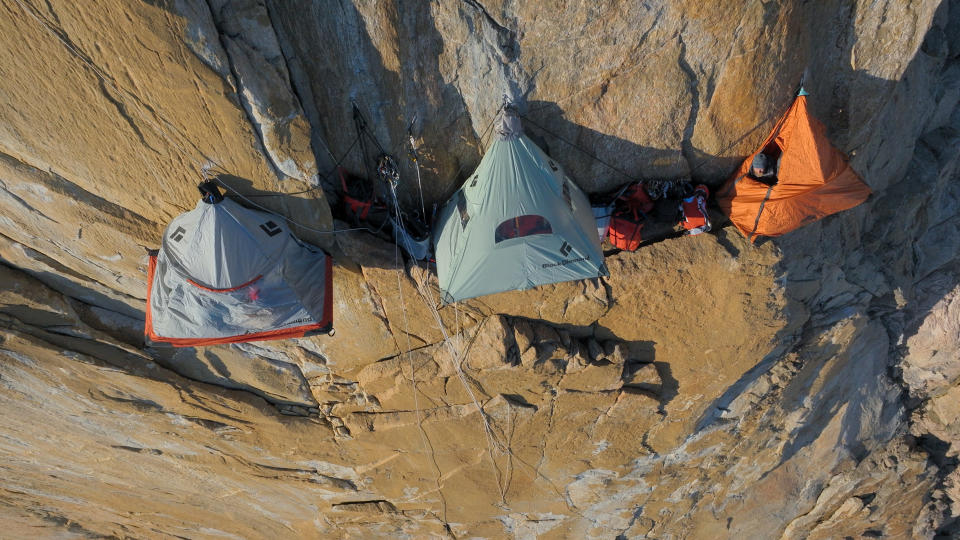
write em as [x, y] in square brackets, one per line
[324, 326]
[286, 333]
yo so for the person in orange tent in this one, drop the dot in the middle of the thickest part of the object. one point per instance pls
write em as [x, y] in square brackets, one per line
[762, 170]
[794, 178]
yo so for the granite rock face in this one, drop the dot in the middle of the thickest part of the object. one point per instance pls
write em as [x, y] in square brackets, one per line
[805, 387]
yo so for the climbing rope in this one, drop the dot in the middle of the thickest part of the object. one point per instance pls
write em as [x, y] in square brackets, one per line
[388, 172]
[455, 358]
[416, 161]
[427, 445]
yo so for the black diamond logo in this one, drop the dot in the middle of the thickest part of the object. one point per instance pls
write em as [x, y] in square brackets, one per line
[178, 234]
[474, 181]
[565, 249]
[553, 166]
[271, 228]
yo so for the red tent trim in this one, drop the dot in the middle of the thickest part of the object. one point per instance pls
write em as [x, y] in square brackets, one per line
[284, 333]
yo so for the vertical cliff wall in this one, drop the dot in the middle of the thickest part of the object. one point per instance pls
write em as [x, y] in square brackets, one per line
[801, 388]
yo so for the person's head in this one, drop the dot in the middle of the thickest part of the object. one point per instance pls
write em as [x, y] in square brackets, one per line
[759, 165]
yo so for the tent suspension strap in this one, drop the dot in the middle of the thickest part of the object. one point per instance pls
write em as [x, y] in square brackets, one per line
[760, 213]
[283, 217]
[493, 120]
[763, 122]
[361, 123]
[480, 141]
[584, 151]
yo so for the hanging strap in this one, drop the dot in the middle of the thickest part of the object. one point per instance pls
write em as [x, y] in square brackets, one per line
[361, 126]
[759, 213]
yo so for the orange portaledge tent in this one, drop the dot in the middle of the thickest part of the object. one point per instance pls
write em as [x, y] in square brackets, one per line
[813, 179]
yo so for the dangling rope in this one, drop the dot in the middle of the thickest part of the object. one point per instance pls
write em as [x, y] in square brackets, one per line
[388, 173]
[427, 445]
[416, 161]
[493, 443]
[455, 358]
[456, 312]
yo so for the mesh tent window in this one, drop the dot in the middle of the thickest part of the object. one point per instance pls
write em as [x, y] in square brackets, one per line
[521, 226]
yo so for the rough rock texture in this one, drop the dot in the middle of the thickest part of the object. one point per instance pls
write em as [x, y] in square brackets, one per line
[805, 387]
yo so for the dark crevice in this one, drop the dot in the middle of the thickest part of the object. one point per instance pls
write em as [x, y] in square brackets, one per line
[374, 505]
[62, 186]
[686, 145]
[138, 450]
[300, 87]
[25, 204]
[506, 38]
[122, 109]
[246, 106]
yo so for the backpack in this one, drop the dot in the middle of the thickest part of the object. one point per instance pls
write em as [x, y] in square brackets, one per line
[359, 202]
[629, 214]
[696, 220]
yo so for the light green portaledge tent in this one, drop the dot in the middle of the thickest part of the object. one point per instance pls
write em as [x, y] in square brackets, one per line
[518, 222]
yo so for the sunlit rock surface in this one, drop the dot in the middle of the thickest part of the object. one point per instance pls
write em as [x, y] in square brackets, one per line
[804, 387]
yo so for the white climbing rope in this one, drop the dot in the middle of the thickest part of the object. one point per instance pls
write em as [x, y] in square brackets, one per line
[427, 446]
[456, 359]
[454, 356]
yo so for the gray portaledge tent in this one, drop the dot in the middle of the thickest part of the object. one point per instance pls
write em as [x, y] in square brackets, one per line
[228, 274]
[518, 222]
